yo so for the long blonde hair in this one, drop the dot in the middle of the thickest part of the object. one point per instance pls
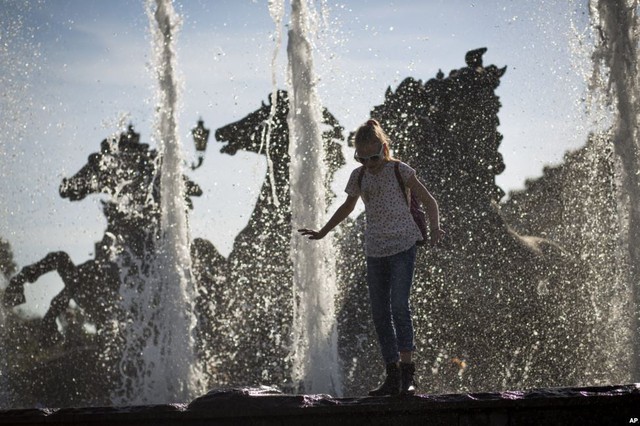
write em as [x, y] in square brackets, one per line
[372, 133]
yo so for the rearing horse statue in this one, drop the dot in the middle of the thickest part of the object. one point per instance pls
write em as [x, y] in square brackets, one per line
[259, 285]
[487, 300]
[127, 171]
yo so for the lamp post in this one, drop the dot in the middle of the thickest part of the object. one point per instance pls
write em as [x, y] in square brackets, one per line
[200, 139]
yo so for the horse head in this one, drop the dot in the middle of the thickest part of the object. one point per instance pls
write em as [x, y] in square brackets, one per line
[123, 168]
[266, 131]
[126, 170]
[259, 128]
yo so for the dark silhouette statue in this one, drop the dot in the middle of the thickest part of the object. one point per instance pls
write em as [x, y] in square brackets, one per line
[128, 172]
[258, 289]
[93, 285]
[210, 272]
[486, 302]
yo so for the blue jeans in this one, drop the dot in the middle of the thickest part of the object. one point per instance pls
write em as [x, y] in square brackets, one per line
[389, 280]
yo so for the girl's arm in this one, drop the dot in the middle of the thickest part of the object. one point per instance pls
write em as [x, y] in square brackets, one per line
[341, 214]
[431, 206]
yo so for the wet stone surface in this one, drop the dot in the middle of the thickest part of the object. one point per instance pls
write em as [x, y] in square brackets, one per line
[607, 405]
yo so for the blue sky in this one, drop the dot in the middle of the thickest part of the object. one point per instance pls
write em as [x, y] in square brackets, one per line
[75, 72]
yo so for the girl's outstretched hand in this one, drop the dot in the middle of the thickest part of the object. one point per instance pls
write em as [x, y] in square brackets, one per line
[313, 235]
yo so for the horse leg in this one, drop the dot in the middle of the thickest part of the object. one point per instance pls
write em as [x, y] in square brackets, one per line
[56, 260]
[14, 293]
[70, 274]
[49, 333]
[59, 260]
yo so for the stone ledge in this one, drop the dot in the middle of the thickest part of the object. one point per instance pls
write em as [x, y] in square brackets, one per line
[610, 405]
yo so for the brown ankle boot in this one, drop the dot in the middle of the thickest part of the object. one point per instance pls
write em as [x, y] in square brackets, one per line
[391, 385]
[408, 383]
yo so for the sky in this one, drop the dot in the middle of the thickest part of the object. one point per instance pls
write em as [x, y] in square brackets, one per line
[73, 72]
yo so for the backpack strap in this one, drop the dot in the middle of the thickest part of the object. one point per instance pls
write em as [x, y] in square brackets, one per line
[360, 176]
[396, 168]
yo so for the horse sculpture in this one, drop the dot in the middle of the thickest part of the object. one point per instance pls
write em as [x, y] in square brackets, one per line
[259, 284]
[127, 171]
[484, 300]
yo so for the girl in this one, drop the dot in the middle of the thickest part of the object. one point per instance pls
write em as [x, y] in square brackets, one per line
[390, 248]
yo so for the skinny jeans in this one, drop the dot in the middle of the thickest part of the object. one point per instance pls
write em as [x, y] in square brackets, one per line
[389, 280]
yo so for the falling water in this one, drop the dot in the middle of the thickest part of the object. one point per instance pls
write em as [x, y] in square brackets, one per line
[160, 333]
[315, 355]
[616, 55]
[276, 10]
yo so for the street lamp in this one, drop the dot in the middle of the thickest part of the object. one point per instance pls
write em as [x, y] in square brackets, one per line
[200, 139]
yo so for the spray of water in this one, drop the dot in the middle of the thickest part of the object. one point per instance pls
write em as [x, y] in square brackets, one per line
[159, 333]
[19, 63]
[315, 355]
[616, 58]
[276, 10]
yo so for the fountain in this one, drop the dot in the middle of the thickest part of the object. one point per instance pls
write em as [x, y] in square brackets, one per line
[315, 354]
[515, 299]
[617, 49]
[159, 361]
[596, 187]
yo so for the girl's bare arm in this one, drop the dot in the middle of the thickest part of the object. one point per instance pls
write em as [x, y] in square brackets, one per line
[341, 214]
[430, 205]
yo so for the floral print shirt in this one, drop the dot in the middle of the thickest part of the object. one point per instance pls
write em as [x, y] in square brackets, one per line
[390, 228]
